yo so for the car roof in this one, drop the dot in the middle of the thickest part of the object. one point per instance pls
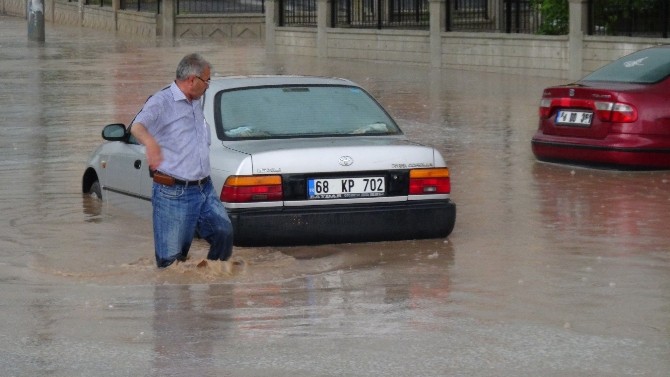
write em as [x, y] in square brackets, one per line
[233, 82]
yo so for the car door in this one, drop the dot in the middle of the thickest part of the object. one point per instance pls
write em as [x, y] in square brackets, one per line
[125, 168]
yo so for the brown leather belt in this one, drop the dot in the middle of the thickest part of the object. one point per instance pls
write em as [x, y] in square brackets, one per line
[168, 180]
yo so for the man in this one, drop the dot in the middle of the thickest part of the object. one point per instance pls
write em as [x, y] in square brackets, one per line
[172, 127]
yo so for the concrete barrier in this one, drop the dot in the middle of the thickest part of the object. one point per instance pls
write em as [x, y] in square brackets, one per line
[567, 57]
[145, 24]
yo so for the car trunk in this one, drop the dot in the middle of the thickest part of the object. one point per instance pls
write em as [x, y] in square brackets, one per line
[574, 109]
[341, 161]
[333, 155]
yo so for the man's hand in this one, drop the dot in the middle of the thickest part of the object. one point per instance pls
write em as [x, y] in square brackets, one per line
[154, 156]
[154, 153]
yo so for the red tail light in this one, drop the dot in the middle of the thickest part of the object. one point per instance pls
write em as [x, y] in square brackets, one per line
[429, 181]
[616, 112]
[545, 108]
[547, 104]
[605, 111]
[252, 188]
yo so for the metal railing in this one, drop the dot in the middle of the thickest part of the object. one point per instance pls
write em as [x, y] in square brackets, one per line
[297, 13]
[635, 18]
[471, 15]
[520, 16]
[395, 14]
[102, 3]
[196, 6]
[507, 16]
[220, 6]
[152, 6]
[632, 18]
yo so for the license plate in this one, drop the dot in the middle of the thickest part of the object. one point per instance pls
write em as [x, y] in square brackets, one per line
[338, 188]
[575, 118]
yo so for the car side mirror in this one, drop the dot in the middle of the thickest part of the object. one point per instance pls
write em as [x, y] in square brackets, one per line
[114, 132]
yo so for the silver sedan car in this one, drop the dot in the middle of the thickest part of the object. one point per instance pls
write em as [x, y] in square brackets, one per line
[299, 160]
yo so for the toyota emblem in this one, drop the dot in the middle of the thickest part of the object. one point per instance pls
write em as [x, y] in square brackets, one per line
[346, 160]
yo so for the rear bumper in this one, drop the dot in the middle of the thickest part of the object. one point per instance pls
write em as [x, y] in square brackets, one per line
[630, 152]
[344, 223]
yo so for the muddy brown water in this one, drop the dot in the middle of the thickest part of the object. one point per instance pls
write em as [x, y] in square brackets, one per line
[551, 270]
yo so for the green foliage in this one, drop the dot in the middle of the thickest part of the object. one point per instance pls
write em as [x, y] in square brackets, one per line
[554, 16]
[609, 13]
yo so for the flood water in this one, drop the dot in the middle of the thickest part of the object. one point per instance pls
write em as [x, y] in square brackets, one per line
[551, 270]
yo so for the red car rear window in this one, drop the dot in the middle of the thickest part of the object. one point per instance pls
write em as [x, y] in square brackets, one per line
[646, 67]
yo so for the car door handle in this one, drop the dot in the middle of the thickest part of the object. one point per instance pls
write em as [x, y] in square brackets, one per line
[138, 164]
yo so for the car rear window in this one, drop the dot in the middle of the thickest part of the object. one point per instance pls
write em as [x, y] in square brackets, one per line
[645, 66]
[299, 111]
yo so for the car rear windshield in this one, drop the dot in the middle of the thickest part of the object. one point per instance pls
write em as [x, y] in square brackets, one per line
[299, 111]
[646, 66]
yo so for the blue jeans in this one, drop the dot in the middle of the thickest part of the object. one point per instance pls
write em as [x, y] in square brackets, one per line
[179, 212]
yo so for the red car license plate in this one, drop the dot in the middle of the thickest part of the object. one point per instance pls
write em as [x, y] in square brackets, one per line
[574, 118]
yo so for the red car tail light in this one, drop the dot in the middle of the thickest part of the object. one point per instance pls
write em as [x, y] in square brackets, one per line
[545, 107]
[615, 112]
[546, 104]
[252, 188]
[429, 181]
[605, 111]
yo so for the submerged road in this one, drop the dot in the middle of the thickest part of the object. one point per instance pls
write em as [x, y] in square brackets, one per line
[551, 270]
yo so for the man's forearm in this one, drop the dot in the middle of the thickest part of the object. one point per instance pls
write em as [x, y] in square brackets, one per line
[154, 154]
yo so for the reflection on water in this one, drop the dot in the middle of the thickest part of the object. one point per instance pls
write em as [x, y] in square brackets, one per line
[561, 270]
[189, 325]
[631, 206]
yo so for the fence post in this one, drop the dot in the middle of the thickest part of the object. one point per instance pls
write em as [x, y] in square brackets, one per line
[116, 5]
[168, 13]
[438, 18]
[578, 22]
[81, 9]
[271, 22]
[323, 19]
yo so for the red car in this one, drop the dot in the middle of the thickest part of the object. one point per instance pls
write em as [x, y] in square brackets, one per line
[618, 116]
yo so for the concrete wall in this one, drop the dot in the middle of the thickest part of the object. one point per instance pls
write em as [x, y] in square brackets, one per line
[490, 52]
[144, 24]
[141, 24]
[406, 46]
[63, 13]
[14, 7]
[97, 17]
[564, 57]
[506, 53]
[235, 26]
[295, 41]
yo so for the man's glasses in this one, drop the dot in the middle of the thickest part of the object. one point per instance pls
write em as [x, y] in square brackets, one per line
[204, 81]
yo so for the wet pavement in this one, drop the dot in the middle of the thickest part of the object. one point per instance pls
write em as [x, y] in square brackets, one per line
[550, 271]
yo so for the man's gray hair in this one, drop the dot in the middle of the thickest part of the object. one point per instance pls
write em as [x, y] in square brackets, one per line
[191, 65]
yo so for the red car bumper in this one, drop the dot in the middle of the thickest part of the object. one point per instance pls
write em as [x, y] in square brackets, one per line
[623, 150]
